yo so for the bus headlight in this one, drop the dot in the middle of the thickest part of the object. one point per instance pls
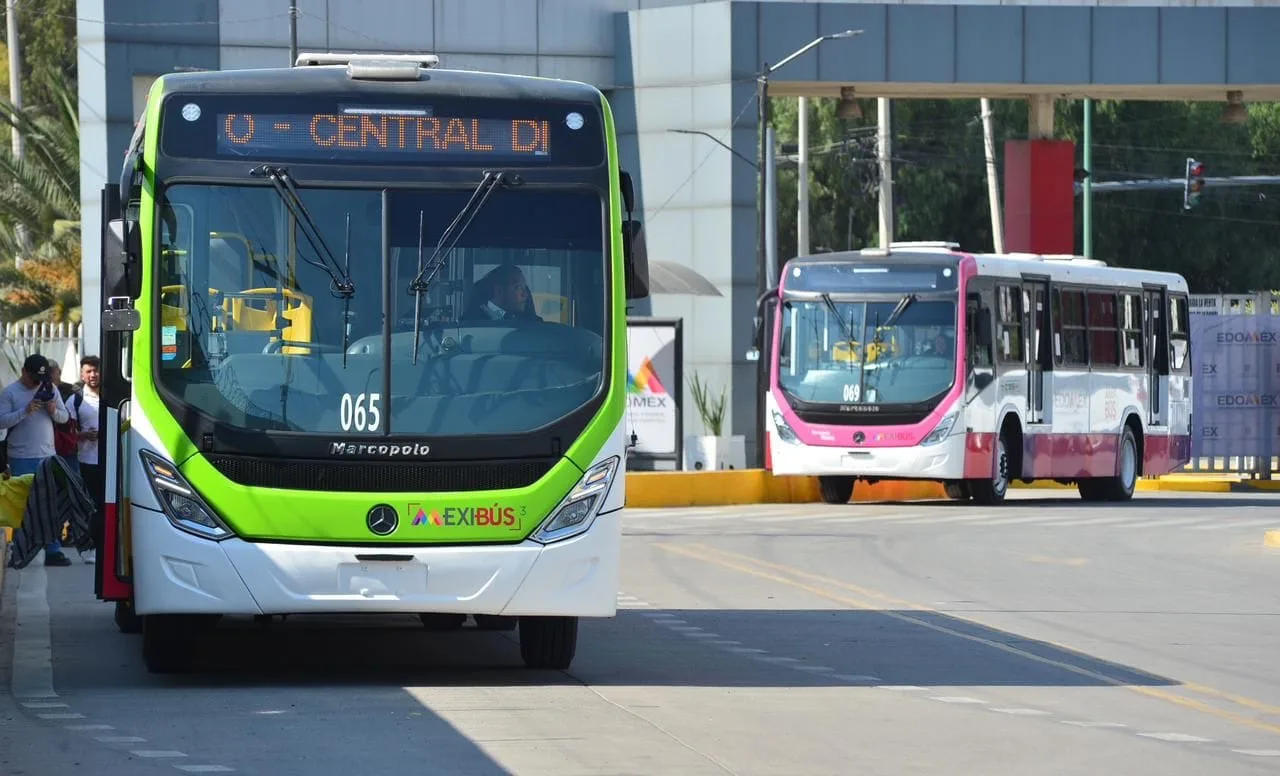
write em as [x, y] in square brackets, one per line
[942, 430]
[785, 432]
[577, 511]
[180, 502]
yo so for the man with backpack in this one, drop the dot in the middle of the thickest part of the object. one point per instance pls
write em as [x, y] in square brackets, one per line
[82, 411]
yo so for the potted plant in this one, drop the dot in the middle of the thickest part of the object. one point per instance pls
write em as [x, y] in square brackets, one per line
[714, 450]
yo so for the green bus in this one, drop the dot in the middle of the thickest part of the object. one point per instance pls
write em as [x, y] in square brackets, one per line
[326, 386]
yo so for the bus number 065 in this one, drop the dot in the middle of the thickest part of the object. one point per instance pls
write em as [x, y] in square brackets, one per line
[360, 413]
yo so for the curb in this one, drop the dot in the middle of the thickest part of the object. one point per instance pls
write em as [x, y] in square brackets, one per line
[758, 486]
[1271, 539]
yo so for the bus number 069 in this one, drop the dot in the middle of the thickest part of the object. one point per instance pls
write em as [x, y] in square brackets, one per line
[361, 413]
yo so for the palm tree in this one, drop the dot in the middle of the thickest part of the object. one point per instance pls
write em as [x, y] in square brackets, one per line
[40, 199]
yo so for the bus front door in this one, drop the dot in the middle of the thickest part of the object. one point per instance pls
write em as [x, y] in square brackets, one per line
[1035, 298]
[1156, 335]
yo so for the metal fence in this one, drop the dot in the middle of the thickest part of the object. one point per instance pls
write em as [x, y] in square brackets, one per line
[1235, 349]
[63, 342]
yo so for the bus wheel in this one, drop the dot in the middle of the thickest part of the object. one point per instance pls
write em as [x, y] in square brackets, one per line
[992, 491]
[1121, 487]
[958, 490]
[836, 490]
[495, 622]
[442, 621]
[548, 642]
[169, 642]
[127, 620]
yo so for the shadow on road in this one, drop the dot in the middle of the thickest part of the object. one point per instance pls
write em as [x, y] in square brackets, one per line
[637, 649]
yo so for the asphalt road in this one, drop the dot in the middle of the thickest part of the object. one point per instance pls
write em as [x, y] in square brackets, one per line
[1048, 636]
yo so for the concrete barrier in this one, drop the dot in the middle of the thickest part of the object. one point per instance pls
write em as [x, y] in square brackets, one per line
[758, 486]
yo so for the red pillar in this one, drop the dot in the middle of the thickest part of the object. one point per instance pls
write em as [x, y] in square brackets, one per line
[1039, 196]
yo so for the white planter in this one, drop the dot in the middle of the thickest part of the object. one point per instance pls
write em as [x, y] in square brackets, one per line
[708, 453]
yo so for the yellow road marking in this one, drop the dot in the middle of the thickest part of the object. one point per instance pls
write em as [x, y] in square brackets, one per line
[709, 555]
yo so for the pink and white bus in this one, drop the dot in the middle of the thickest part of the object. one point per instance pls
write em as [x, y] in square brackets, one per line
[925, 362]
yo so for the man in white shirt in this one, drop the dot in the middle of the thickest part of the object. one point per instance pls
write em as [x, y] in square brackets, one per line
[83, 408]
[29, 407]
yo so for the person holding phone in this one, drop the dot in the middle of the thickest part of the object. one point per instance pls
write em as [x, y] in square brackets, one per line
[29, 408]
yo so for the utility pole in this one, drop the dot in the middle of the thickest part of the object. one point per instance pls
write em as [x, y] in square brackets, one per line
[15, 97]
[802, 180]
[884, 151]
[293, 32]
[1086, 219]
[993, 183]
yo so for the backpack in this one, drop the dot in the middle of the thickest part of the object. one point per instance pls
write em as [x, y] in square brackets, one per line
[66, 440]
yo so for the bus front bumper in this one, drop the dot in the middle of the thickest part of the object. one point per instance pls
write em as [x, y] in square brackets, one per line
[177, 573]
[942, 461]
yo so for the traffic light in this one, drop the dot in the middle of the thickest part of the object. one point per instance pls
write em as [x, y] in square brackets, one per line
[1193, 184]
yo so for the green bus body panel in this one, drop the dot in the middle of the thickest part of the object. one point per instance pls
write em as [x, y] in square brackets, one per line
[329, 516]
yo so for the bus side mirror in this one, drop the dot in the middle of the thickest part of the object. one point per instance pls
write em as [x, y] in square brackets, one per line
[982, 380]
[636, 260]
[121, 251]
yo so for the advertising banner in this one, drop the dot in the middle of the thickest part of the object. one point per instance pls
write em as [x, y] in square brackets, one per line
[654, 382]
[1235, 385]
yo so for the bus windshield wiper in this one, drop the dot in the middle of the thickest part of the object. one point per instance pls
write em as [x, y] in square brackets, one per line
[846, 328]
[452, 233]
[340, 283]
[340, 278]
[903, 304]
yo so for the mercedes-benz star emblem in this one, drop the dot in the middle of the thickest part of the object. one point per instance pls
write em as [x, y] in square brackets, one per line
[382, 520]
[858, 436]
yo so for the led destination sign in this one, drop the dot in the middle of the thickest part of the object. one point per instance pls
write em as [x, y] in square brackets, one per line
[448, 130]
[352, 135]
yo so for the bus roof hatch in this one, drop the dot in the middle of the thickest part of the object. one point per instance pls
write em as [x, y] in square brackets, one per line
[373, 67]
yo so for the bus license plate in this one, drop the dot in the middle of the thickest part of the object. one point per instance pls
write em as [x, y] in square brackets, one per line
[383, 578]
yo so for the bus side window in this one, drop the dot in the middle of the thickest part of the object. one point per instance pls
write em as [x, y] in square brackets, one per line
[1179, 334]
[977, 336]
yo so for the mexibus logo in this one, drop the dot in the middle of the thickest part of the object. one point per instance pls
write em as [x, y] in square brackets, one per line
[1247, 337]
[414, 450]
[647, 402]
[452, 517]
[1247, 400]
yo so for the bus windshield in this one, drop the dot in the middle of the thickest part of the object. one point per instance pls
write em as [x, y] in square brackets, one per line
[843, 351]
[257, 332]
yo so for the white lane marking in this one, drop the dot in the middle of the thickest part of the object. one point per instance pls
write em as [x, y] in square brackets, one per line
[1218, 525]
[32, 649]
[120, 739]
[857, 678]
[747, 650]
[1176, 737]
[61, 715]
[686, 629]
[956, 699]
[204, 768]
[1023, 712]
[1258, 752]
[1087, 724]
[704, 635]
[903, 687]
[1163, 523]
[815, 669]
[1071, 522]
[726, 643]
[90, 727]
[44, 705]
[156, 753]
[778, 659]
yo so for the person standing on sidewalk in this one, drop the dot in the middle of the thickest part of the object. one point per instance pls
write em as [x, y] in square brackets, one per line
[29, 408]
[83, 408]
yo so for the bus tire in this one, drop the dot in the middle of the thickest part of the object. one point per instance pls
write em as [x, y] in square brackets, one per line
[442, 621]
[169, 642]
[1122, 486]
[548, 642]
[992, 491]
[835, 490]
[127, 620]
